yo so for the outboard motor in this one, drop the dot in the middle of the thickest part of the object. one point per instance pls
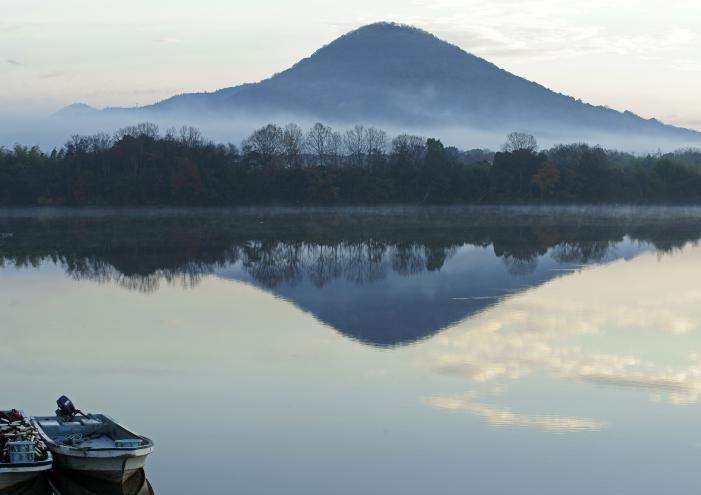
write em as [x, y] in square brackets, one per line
[66, 409]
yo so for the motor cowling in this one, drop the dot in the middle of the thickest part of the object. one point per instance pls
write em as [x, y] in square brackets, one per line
[65, 407]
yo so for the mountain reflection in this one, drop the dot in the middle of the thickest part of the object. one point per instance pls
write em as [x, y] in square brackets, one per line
[382, 277]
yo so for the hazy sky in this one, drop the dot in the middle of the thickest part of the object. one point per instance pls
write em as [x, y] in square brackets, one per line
[641, 55]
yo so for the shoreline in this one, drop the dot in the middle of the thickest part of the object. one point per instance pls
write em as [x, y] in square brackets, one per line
[607, 209]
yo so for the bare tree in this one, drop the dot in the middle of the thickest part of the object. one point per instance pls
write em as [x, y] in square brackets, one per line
[144, 129]
[100, 142]
[190, 137]
[292, 143]
[412, 148]
[232, 150]
[171, 134]
[267, 143]
[318, 142]
[335, 148]
[517, 141]
[76, 145]
[377, 140]
[377, 143]
[355, 143]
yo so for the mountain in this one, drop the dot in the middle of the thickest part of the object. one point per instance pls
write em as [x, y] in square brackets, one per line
[404, 77]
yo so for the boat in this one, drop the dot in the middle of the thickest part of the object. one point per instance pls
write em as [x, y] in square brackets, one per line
[23, 455]
[94, 445]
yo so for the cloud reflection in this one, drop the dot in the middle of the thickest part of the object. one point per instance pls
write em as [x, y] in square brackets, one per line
[627, 325]
[505, 417]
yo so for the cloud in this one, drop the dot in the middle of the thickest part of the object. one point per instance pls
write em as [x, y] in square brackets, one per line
[682, 386]
[543, 29]
[686, 65]
[167, 40]
[131, 92]
[51, 75]
[527, 30]
[681, 120]
[505, 418]
[13, 62]
[9, 28]
[549, 42]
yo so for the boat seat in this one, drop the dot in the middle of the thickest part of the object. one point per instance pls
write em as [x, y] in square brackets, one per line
[71, 427]
[50, 426]
[90, 422]
[54, 428]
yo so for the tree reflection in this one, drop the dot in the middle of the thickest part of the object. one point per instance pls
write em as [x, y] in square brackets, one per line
[142, 253]
[582, 252]
[519, 267]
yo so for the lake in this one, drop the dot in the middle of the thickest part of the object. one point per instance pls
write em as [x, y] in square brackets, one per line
[368, 351]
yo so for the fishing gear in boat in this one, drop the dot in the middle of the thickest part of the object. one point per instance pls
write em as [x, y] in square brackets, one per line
[19, 440]
[78, 438]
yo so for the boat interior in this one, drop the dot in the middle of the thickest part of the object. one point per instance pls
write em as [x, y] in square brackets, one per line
[93, 431]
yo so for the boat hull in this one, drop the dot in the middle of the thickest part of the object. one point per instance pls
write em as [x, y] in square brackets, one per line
[13, 476]
[114, 469]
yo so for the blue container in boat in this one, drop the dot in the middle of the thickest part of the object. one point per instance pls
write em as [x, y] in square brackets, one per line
[21, 452]
[128, 443]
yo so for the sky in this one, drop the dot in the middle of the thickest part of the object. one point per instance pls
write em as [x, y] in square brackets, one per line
[638, 55]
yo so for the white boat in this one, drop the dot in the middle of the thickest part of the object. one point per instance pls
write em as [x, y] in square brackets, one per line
[23, 456]
[93, 444]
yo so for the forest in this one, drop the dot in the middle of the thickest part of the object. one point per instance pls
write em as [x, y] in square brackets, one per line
[287, 165]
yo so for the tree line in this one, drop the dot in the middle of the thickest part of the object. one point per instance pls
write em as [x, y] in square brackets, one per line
[288, 165]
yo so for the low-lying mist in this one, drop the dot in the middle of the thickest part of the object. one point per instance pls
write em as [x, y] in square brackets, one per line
[52, 131]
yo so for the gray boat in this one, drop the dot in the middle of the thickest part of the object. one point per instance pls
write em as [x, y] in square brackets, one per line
[23, 455]
[92, 444]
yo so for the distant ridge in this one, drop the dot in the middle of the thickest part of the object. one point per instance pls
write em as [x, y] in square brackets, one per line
[80, 109]
[402, 76]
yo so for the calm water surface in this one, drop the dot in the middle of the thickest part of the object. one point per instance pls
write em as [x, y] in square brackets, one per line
[412, 351]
